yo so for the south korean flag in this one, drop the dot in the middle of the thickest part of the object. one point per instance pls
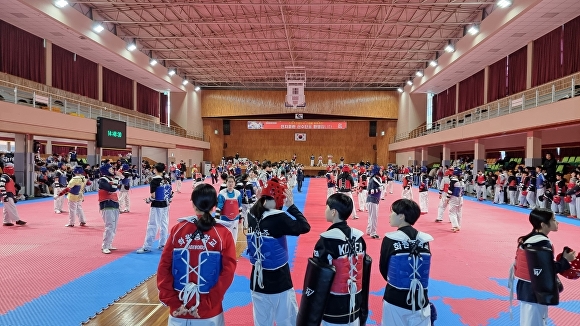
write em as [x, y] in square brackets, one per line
[299, 136]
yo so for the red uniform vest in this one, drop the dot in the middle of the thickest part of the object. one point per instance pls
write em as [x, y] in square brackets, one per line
[521, 267]
[480, 179]
[9, 185]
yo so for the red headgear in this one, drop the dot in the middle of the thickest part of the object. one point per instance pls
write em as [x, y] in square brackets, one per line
[449, 172]
[275, 188]
[574, 272]
[345, 169]
[8, 169]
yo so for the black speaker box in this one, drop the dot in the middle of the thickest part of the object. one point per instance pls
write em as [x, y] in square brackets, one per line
[226, 127]
[372, 128]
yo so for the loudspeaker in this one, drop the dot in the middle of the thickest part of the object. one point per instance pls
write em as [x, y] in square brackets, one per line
[372, 128]
[226, 127]
[225, 145]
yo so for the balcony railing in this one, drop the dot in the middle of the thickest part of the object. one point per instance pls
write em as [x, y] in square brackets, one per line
[557, 90]
[48, 98]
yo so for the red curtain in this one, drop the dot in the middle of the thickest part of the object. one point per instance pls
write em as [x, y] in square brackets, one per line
[117, 89]
[147, 100]
[517, 70]
[471, 92]
[571, 40]
[22, 54]
[163, 101]
[547, 59]
[497, 80]
[444, 104]
[78, 76]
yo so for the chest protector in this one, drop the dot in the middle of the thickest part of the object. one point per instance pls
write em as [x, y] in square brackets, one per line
[231, 209]
[344, 184]
[406, 182]
[330, 180]
[457, 190]
[480, 179]
[521, 266]
[163, 192]
[348, 277]
[105, 195]
[409, 268]
[195, 271]
[61, 176]
[9, 185]
[267, 252]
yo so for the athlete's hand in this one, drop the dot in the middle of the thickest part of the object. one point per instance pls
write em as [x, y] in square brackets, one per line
[181, 311]
[289, 198]
[569, 256]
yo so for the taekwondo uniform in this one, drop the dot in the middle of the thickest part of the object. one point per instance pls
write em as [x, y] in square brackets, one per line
[574, 193]
[557, 201]
[59, 185]
[108, 205]
[512, 185]
[195, 270]
[498, 197]
[531, 196]
[75, 190]
[540, 180]
[344, 185]
[124, 200]
[161, 194]
[228, 210]
[373, 200]
[330, 182]
[455, 194]
[444, 199]
[407, 187]
[480, 188]
[362, 192]
[8, 192]
[424, 193]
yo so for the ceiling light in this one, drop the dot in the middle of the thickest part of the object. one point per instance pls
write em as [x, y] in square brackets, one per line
[132, 46]
[171, 72]
[433, 63]
[400, 90]
[504, 3]
[410, 82]
[98, 27]
[197, 88]
[419, 73]
[474, 29]
[450, 48]
[152, 62]
[60, 3]
[184, 82]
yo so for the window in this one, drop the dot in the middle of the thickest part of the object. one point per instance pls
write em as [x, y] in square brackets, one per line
[429, 110]
[295, 91]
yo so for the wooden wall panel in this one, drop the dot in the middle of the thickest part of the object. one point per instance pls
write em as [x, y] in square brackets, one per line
[367, 104]
[353, 143]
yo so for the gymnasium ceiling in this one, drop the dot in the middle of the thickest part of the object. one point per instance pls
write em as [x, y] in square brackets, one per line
[249, 44]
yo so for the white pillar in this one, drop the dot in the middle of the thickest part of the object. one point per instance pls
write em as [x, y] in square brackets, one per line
[534, 148]
[479, 159]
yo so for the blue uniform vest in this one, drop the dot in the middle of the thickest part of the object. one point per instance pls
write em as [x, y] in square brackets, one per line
[457, 189]
[206, 276]
[163, 192]
[75, 190]
[272, 252]
[62, 179]
[406, 270]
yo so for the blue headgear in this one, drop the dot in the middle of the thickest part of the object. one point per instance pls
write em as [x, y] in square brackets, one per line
[78, 170]
[376, 169]
[104, 169]
[125, 167]
[423, 169]
[43, 169]
[457, 171]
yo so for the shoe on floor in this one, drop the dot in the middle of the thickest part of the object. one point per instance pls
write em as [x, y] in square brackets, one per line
[8, 224]
[455, 230]
[438, 221]
[143, 250]
[20, 222]
[374, 236]
[161, 247]
[355, 218]
[69, 225]
[112, 248]
[56, 211]
[106, 251]
[83, 224]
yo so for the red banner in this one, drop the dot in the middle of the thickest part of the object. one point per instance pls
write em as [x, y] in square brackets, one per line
[296, 125]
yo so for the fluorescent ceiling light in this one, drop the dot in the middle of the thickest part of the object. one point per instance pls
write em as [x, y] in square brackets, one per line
[98, 27]
[132, 46]
[419, 73]
[400, 90]
[171, 72]
[409, 82]
[184, 82]
[433, 63]
[60, 3]
[504, 3]
[474, 29]
[197, 88]
[152, 62]
[450, 48]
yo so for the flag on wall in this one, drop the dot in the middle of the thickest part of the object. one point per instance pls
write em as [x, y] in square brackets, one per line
[299, 136]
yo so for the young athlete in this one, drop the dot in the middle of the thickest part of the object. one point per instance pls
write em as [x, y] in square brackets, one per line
[74, 191]
[405, 263]
[273, 296]
[197, 266]
[345, 184]
[537, 291]
[229, 207]
[373, 200]
[108, 205]
[8, 195]
[59, 185]
[455, 194]
[124, 200]
[408, 187]
[424, 192]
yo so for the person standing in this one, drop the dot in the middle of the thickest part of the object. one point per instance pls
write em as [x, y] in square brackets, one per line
[160, 190]
[373, 200]
[59, 185]
[345, 184]
[537, 291]
[108, 205]
[75, 190]
[311, 159]
[300, 176]
[550, 165]
[455, 195]
[405, 264]
[229, 206]
[124, 199]
[540, 186]
[424, 192]
[8, 194]
[319, 160]
[197, 266]
[272, 291]
[344, 248]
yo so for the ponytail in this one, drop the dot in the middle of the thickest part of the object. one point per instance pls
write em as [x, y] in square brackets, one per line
[204, 198]
[205, 222]
[258, 209]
